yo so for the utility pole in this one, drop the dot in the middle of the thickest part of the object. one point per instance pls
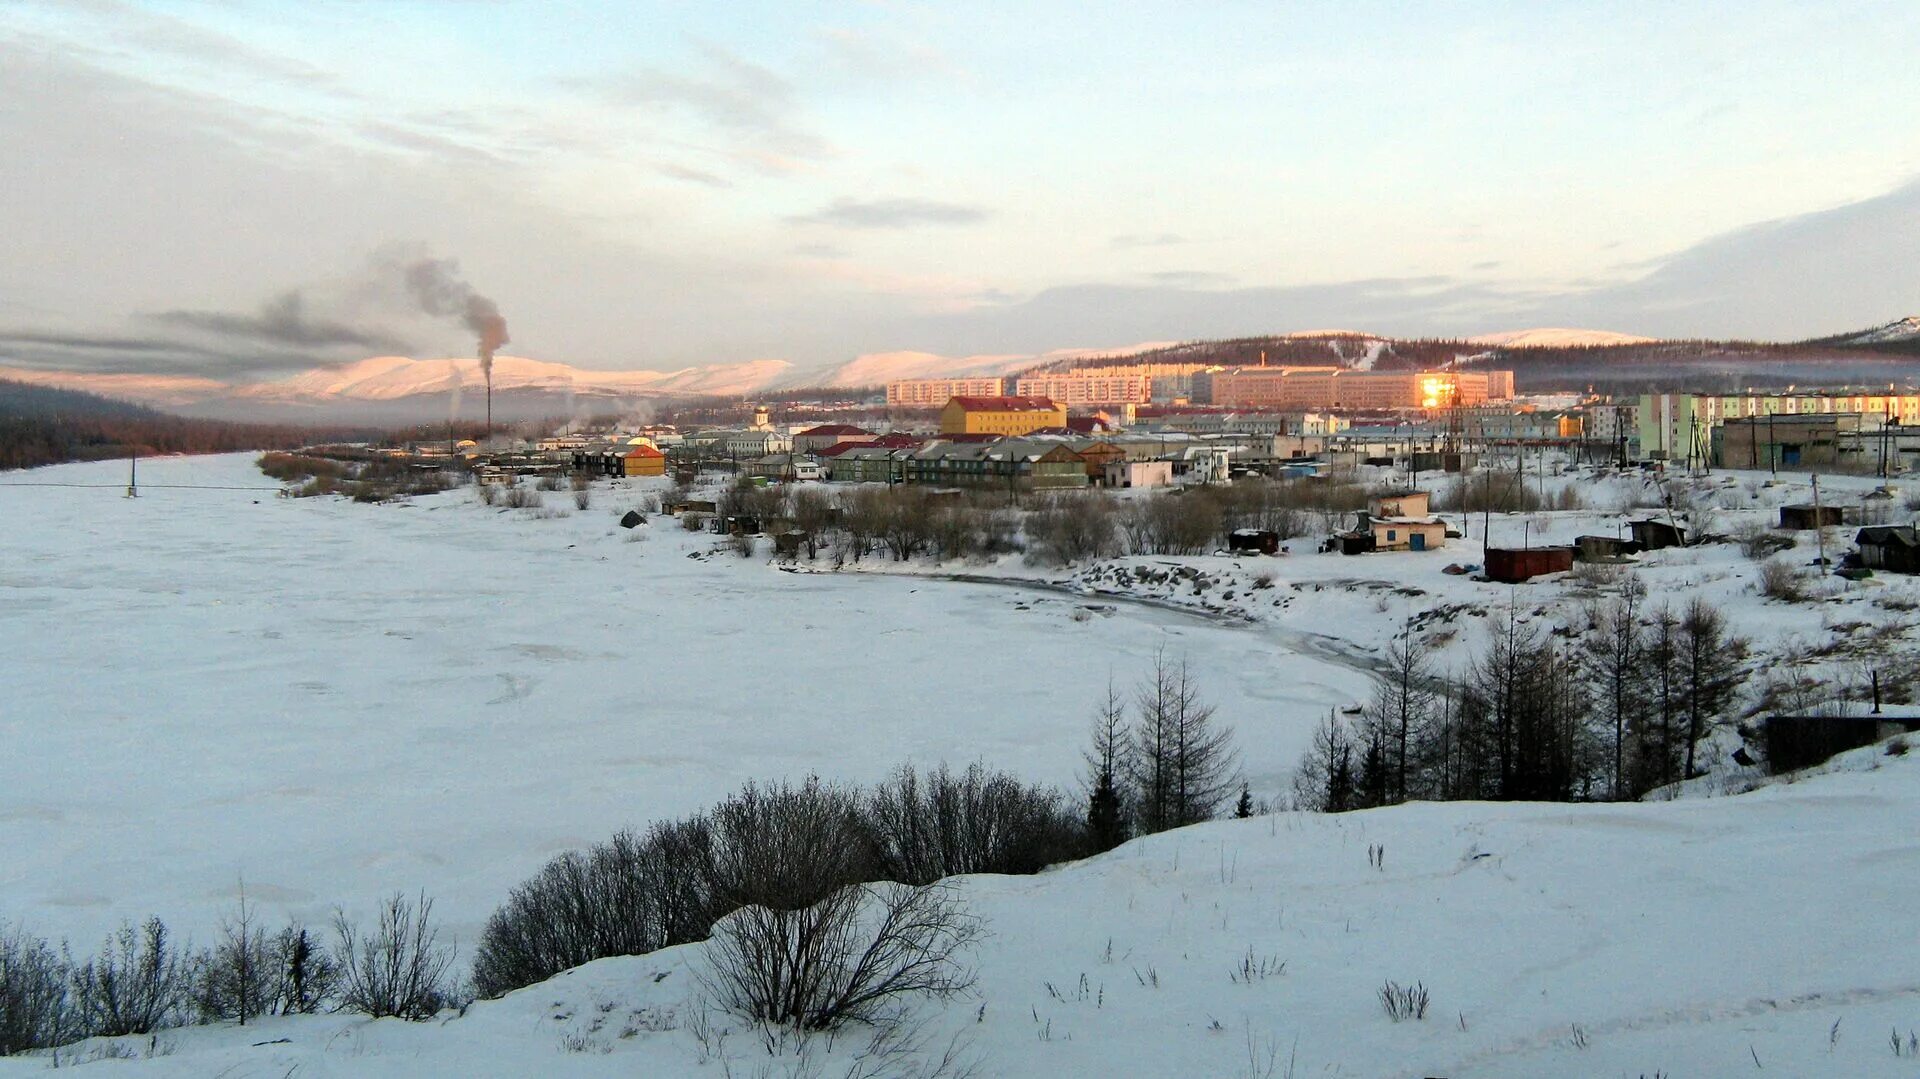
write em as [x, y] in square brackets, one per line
[1820, 526]
[133, 473]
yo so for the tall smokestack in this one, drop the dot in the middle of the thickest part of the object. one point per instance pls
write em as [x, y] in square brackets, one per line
[438, 289]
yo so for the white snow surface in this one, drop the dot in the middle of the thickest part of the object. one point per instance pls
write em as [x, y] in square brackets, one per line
[334, 701]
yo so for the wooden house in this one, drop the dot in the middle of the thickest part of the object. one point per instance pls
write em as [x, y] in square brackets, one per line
[1654, 535]
[1889, 548]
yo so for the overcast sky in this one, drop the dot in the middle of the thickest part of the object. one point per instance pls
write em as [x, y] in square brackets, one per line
[225, 188]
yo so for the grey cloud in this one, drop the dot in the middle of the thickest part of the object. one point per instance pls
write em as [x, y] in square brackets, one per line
[692, 175]
[891, 214]
[733, 94]
[1833, 270]
[101, 354]
[821, 251]
[283, 320]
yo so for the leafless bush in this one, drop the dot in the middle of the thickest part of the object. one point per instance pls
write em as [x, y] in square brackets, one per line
[1073, 528]
[1178, 523]
[1758, 542]
[1594, 576]
[943, 824]
[742, 543]
[550, 482]
[629, 896]
[1782, 580]
[583, 498]
[400, 968]
[523, 498]
[489, 493]
[1493, 491]
[35, 1009]
[693, 522]
[1402, 1002]
[856, 955]
[788, 847]
[139, 983]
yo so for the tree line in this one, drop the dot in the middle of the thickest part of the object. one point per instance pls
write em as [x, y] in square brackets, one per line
[1611, 710]
[41, 425]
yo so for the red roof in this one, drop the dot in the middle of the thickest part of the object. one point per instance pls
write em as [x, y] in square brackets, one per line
[836, 429]
[1004, 404]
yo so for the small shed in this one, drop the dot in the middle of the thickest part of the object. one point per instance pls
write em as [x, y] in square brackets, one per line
[1603, 549]
[693, 505]
[1801, 518]
[1654, 535]
[1512, 565]
[1351, 542]
[1893, 548]
[1794, 742]
[1258, 540]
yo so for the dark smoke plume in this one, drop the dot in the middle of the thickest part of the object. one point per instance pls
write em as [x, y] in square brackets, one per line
[436, 286]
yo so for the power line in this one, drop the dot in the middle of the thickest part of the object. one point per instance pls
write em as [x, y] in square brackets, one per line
[118, 486]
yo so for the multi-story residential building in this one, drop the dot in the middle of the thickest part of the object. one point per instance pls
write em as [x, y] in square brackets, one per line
[965, 415]
[1679, 426]
[1092, 386]
[1335, 387]
[935, 392]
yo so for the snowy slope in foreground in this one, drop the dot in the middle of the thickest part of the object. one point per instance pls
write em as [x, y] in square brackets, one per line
[1686, 938]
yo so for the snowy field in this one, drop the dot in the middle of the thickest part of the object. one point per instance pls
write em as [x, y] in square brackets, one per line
[332, 701]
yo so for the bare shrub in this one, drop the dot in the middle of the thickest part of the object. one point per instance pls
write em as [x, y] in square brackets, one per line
[856, 955]
[1073, 528]
[1782, 580]
[1758, 542]
[1402, 1002]
[139, 983]
[582, 498]
[693, 522]
[550, 482]
[788, 847]
[399, 969]
[488, 493]
[35, 1008]
[628, 896]
[742, 543]
[523, 498]
[977, 821]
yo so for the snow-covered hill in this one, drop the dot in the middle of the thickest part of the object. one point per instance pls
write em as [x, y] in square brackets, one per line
[1906, 329]
[875, 368]
[1557, 337]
